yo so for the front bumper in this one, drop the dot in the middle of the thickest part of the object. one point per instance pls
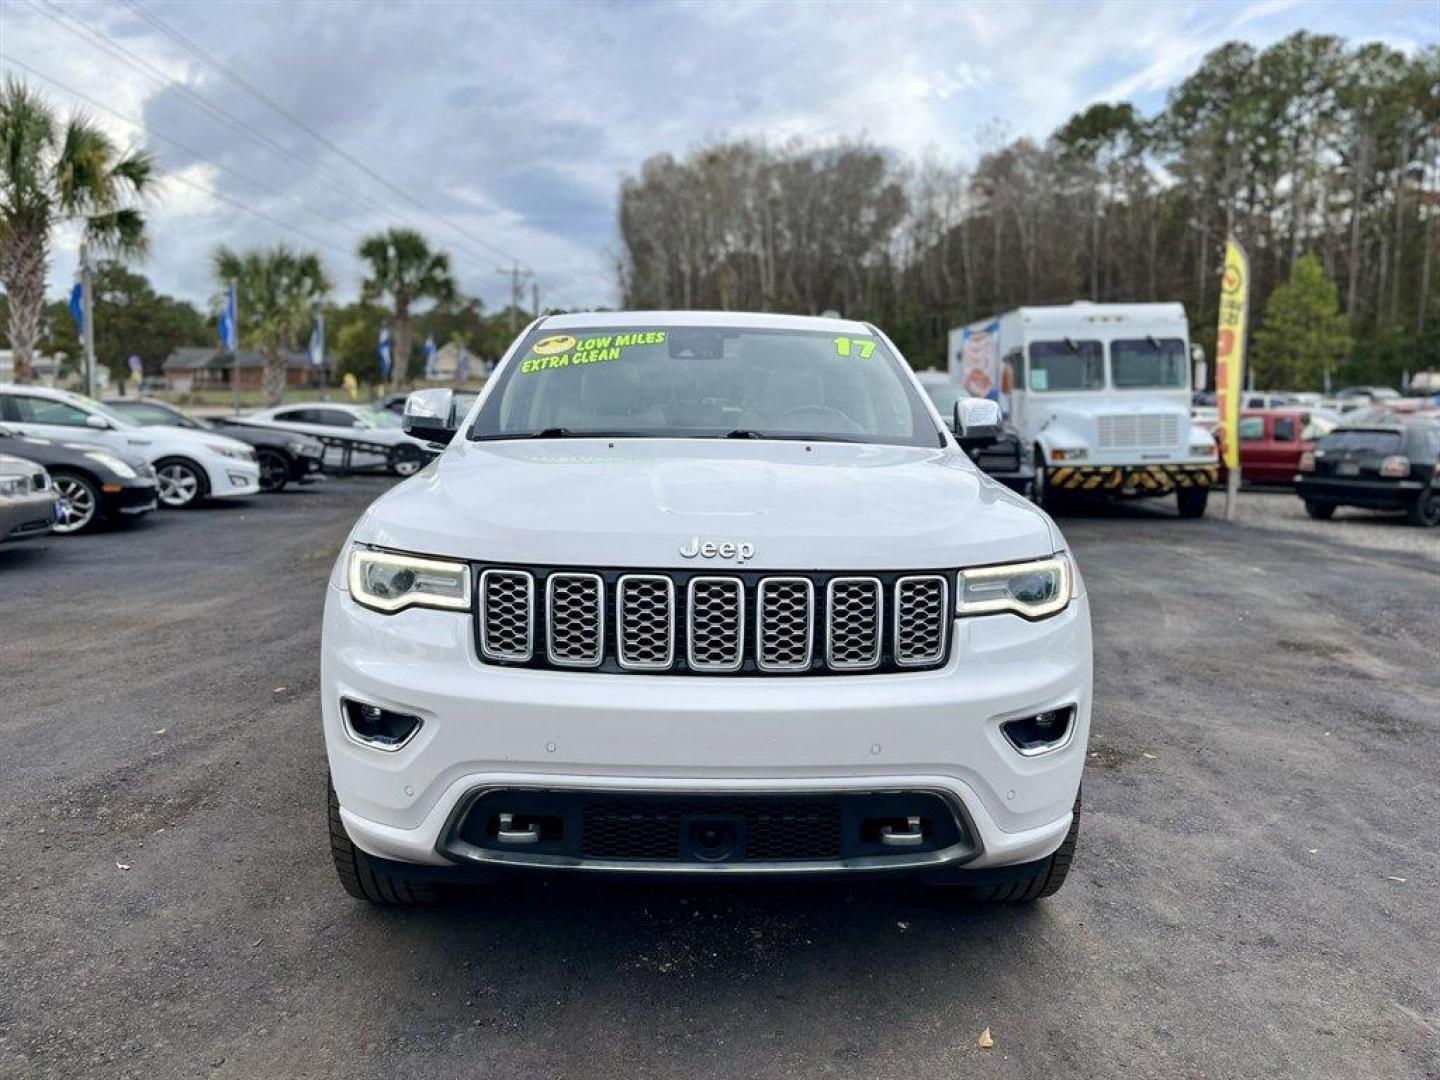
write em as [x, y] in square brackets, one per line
[487, 728]
[1132, 479]
[232, 477]
[129, 500]
[1370, 494]
[26, 516]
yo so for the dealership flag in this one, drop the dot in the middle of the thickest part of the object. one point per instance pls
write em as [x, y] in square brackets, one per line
[317, 341]
[1230, 358]
[77, 307]
[229, 323]
[386, 359]
[430, 357]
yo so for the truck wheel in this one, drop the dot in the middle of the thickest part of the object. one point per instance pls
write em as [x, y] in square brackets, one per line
[1047, 882]
[1425, 511]
[1320, 511]
[361, 876]
[1040, 491]
[1192, 501]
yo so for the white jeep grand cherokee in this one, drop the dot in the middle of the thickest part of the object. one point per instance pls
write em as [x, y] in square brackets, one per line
[708, 594]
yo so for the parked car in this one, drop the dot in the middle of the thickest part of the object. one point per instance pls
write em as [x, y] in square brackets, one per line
[1005, 457]
[189, 465]
[93, 483]
[710, 594]
[371, 436]
[1273, 440]
[283, 457]
[27, 500]
[1363, 395]
[1391, 465]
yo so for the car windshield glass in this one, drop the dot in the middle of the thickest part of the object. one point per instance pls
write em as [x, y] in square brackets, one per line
[379, 418]
[706, 382]
[1148, 364]
[149, 414]
[91, 405]
[1357, 440]
[1066, 365]
[944, 395]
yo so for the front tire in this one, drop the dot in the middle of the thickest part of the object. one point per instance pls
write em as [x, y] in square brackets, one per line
[182, 483]
[363, 877]
[274, 470]
[1191, 501]
[406, 461]
[1047, 882]
[1041, 494]
[1425, 510]
[1320, 511]
[79, 503]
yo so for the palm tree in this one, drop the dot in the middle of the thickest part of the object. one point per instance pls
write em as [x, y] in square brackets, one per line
[50, 173]
[276, 292]
[403, 267]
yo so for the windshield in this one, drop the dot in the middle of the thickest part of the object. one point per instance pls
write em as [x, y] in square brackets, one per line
[149, 414]
[944, 395]
[1360, 441]
[1066, 365]
[379, 418]
[91, 405]
[1148, 364]
[704, 382]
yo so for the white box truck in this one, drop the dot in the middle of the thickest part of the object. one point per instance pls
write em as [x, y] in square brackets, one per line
[1101, 392]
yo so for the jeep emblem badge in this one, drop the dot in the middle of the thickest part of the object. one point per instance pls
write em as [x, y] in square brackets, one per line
[739, 550]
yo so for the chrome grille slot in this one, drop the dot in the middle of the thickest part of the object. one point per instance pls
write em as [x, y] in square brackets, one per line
[852, 628]
[1126, 431]
[921, 619]
[575, 619]
[784, 616]
[645, 622]
[715, 631]
[507, 601]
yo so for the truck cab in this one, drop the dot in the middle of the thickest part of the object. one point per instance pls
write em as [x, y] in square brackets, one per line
[1102, 394]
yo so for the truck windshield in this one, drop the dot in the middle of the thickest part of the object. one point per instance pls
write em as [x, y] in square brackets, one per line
[1066, 365]
[1148, 364]
[705, 382]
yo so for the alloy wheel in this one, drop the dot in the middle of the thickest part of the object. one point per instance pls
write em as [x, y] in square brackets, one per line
[77, 505]
[179, 485]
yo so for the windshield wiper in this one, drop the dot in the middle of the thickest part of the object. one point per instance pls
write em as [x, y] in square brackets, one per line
[743, 433]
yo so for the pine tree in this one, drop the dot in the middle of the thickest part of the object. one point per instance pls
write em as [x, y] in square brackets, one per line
[1304, 334]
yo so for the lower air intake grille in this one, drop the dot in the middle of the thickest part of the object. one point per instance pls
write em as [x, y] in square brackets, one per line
[780, 829]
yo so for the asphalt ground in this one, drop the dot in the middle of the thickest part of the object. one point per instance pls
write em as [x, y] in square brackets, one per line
[1255, 892]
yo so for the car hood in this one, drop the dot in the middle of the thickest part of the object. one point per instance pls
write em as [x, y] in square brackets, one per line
[171, 434]
[637, 502]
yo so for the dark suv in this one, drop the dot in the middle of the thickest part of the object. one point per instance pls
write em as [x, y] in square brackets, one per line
[1392, 465]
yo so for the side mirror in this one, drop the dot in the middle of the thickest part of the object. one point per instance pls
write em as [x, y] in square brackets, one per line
[977, 421]
[99, 423]
[430, 416]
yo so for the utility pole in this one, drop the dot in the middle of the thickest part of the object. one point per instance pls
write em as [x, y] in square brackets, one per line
[87, 307]
[516, 274]
[235, 352]
[534, 299]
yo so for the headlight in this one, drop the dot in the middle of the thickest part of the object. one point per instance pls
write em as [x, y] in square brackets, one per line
[389, 582]
[11, 484]
[1075, 454]
[298, 448]
[1032, 590]
[113, 463]
[235, 452]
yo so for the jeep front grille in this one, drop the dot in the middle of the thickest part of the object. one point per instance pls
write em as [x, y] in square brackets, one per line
[744, 623]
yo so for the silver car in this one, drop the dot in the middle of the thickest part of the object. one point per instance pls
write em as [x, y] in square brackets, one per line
[27, 499]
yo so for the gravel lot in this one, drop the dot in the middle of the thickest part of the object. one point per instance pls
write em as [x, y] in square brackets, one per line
[1255, 892]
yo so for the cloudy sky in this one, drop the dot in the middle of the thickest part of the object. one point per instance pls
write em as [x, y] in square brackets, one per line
[502, 130]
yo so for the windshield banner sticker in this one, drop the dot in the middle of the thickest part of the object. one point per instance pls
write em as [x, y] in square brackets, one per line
[563, 350]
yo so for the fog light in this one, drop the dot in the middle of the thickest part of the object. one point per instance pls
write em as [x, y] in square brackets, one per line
[239, 479]
[377, 727]
[1040, 733]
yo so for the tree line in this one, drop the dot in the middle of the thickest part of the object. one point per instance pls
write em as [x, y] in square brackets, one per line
[1311, 147]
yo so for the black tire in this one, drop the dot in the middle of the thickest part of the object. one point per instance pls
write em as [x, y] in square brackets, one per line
[1425, 511]
[274, 470]
[405, 461]
[1320, 511]
[361, 876]
[1191, 501]
[81, 510]
[1046, 883]
[1041, 494]
[183, 484]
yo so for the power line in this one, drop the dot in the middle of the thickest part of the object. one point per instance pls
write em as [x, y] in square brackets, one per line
[255, 92]
[152, 132]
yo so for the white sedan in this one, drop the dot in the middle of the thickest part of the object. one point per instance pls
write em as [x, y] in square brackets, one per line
[189, 465]
[362, 435]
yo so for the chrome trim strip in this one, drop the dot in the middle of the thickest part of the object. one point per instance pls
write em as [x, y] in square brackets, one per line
[941, 650]
[369, 744]
[798, 665]
[669, 584]
[485, 650]
[599, 583]
[739, 623]
[864, 665]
